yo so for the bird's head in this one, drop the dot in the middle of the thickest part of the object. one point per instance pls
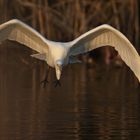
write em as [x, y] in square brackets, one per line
[58, 68]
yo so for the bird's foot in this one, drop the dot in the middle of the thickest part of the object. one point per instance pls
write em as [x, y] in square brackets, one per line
[57, 83]
[44, 82]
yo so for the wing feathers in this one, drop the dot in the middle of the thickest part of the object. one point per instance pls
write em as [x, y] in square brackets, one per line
[106, 35]
[22, 33]
[40, 56]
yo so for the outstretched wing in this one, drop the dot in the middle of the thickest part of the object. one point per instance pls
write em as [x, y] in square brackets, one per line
[18, 31]
[106, 35]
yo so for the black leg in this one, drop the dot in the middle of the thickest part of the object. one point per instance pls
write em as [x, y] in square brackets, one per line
[45, 81]
[57, 83]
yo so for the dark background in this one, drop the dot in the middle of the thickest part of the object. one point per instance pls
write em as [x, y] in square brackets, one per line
[95, 102]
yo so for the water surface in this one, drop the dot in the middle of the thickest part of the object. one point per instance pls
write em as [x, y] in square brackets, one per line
[101, 103]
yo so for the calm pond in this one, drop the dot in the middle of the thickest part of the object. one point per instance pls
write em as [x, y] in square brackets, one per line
[98, 103]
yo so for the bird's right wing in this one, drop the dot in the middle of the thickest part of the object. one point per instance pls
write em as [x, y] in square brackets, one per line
[106, 35]
[18, 31]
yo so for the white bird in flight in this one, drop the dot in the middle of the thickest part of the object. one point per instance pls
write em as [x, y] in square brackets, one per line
[59, 54]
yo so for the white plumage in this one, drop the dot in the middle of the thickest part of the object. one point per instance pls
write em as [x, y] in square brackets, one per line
[58, 54]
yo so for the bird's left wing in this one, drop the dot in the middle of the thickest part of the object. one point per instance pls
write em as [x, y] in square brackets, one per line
[106, 35]
[18, 31]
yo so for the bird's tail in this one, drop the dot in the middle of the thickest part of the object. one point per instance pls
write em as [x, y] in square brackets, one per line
[40, 56]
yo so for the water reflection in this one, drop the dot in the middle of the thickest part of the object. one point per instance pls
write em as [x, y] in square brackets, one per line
[99, 103]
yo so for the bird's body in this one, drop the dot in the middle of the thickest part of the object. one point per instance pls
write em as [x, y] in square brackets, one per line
[57, 57]
[58, 54]
[57, 51]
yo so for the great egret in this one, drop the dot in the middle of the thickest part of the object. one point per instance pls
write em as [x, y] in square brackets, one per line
[58, 54]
